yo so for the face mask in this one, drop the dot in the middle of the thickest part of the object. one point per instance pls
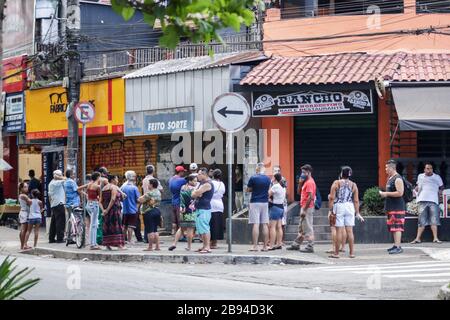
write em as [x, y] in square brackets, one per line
[303, 176]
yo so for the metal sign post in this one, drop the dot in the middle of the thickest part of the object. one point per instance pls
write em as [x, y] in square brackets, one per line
[84, 114]
[231, 113]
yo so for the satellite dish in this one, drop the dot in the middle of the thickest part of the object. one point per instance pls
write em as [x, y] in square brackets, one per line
[380, 87]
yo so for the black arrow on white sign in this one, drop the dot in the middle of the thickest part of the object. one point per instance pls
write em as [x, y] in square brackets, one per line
[224, 112]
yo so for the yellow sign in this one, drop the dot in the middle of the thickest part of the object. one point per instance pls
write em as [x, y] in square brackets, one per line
[46, 109]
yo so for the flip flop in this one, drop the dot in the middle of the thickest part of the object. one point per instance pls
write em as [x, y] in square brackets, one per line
[333, 256]
[253, 250]
[205, 251]
[187, 249]
[352, 256]
[437, 241]
[330, 251]
[171, 248]
[416, 241]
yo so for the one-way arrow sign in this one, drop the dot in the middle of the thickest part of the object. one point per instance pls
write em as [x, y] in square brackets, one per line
[224, 112]
[231, 112]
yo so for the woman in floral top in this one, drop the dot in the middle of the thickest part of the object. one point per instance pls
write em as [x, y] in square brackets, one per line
[187, 219]
[152, 216]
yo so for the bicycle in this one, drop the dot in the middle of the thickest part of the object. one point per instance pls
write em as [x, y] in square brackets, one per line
[76, 227]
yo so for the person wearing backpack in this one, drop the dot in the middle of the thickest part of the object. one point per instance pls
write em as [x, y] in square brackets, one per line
[394, 205]
[429, 187]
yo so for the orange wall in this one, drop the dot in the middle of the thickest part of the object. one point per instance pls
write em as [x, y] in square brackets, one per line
[286, 147]
[276, 29]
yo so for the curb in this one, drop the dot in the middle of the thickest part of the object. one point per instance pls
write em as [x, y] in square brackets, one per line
[169, 258]
[444, 293]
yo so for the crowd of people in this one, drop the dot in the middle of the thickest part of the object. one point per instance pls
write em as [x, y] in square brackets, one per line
[114, 212]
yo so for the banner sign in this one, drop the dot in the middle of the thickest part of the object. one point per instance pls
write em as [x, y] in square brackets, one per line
[159, 122]
[310, 103]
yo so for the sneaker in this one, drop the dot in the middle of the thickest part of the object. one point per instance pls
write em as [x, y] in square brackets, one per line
[396, 250]
[390, 249]
[307, 250]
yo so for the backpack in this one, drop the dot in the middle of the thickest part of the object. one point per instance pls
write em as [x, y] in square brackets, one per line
[318, 201]
[408, 191]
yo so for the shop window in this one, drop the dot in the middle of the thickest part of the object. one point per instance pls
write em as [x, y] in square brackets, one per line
[432, 6]
[310, 8]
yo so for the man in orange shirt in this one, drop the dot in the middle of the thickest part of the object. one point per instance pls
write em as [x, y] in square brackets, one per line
[308, 197]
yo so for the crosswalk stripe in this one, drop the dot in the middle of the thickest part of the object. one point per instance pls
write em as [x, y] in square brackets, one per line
[382, 267]
[419, 275]
[434, 280]
[388, 264]
[401, 271]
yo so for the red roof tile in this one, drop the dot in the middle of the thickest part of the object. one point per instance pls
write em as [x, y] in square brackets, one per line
[350, 68]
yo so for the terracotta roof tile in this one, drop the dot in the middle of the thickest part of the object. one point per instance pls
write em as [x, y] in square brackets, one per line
[350, 68]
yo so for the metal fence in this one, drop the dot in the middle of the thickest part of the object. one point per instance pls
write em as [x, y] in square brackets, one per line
[121, 61]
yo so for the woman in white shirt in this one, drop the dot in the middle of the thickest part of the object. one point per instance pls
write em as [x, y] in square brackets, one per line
[278, 195]
[217, 209]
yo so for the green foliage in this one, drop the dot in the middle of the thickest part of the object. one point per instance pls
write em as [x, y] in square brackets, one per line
[13, 284]
[373, 204]
[196, 20]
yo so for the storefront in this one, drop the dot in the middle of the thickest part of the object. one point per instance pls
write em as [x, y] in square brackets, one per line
[46, 121]
[13, 122]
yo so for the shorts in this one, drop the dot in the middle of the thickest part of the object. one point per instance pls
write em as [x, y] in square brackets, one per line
[130, 220]
[176, 215]
[258, 213]
[429, 214]
[345, 214]
[35, 221]
[203, 217]
[306, 224]
[396, 221]
[23, 217]
[276, 213]
[152, 220]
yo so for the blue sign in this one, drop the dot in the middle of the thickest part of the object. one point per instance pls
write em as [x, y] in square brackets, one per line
[159, 122]
[14, 114]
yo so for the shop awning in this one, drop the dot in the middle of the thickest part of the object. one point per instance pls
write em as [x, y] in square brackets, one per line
[422, 108]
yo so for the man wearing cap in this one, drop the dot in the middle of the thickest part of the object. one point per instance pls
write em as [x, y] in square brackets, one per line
[57, 199]
[175, 185]
[193, 168]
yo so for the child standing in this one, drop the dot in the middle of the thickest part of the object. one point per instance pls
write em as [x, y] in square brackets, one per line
[35, 216]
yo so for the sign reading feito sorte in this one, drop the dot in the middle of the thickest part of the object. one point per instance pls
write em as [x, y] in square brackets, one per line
[310, 103]
[84, 112]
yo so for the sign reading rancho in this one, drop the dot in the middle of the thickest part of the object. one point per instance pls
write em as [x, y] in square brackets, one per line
[311, 103]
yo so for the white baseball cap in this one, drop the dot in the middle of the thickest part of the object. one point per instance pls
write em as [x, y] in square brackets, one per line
[57, 173]
[193, 166]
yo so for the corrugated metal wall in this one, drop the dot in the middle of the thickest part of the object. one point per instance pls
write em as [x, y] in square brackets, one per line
[191, 88]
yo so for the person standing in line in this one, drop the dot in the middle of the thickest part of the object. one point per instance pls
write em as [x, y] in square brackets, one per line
[203, 194]
[187, 214]
[394, 205]
[429, 189]
[278, 194]
[217, 208]
[25, 203]
[72, 196]
[259, 185]
[150, 170]
[35, 217]
[152, 216]
[307, 207]
[130, 205]
[344, 204]
[238, 191]
[34, 182]
[175, 185]
[57, 199]
[193, 169]
[284, 184]
[93, 208]
[103, 181]
[110, 199]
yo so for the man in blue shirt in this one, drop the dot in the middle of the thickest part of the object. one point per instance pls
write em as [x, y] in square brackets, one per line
[259, 185]
[72, 197]
[130, 207]
[175, 185]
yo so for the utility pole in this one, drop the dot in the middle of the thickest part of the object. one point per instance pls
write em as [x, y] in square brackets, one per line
[73, 78]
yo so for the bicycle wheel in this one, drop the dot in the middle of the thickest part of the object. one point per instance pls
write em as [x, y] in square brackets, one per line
[69, 233]
[80, 237]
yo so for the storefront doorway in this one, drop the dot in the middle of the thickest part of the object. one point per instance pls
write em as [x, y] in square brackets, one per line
[329, 142]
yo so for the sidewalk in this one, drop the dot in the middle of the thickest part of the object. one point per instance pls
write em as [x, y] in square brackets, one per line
[9, 243]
